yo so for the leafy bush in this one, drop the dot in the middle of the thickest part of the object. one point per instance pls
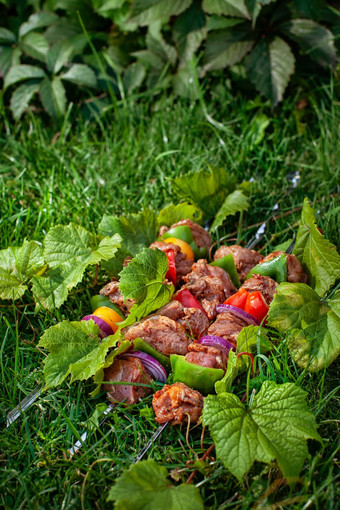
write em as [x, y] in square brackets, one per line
[115, 47]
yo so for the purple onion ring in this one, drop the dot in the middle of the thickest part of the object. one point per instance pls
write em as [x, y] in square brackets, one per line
[247, 317]
[154, 368]
[104, 327]
[217, 341]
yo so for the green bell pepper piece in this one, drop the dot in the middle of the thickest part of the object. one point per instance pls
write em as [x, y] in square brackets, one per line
[195, 376]
[140, 345]
[227, 263]
[184, 233]
[99, 300]
[275, 268]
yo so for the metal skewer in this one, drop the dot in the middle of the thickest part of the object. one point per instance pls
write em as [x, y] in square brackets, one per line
[151, 441]
[24, 404]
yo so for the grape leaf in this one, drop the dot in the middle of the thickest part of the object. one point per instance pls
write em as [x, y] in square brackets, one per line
[317, 255]
[276, 426]
[235, 202]
[207, 189]
[17, 265]
[137, 230]
[74, 348]
[144, 12]
[143, 280]
[313, 326]
[144, 486]
[252, 339]
[173, 213]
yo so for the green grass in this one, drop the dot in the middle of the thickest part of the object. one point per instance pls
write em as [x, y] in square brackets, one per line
[121, 163]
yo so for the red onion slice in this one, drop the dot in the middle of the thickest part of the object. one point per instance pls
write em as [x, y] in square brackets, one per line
[247, 317]
[104, 327]
[154, 368]
[218, 342]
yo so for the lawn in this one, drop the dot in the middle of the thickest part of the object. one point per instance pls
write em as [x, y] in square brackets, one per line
[119, 163]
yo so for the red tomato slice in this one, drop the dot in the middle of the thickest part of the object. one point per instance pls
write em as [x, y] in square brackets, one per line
[188, 300]
[171, 274]
[239, 299]
[256, 305]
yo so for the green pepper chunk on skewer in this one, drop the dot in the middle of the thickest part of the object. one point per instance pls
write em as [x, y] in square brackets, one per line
[275, 268]
[184, 233]
[227, 263]
[195, 376]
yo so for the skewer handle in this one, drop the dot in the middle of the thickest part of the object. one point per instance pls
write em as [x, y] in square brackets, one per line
[151, 441]
[24, 404]
[83, 437]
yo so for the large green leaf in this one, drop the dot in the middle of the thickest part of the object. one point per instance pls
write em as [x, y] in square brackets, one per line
[227, 47]
[276, 426]
[235, 202]
[8, 57]
[144, 12]
[21, 98]
[133, 77]
[59, 55]
[189, 31]
[226, 7]
[81, 75]
[38, 20]
[11, 286]
[22, 72]
[270, 66]
[35, 45]
[53, 97]
[138, 231]
[74, 348]
[316, 40]
[255, 6]
[6, 36]
[312, 325]
[318, 256]
[207, 189]
[143, 280]
[144, 486]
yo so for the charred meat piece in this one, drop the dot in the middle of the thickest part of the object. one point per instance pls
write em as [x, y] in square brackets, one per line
[295, 273]
[244, 259]
[265, 284]
[112, 291]
[174, 403]
[206, 356]
[201, 237]
[227, 326]
[162, 333]
[194, 321]
[210, 286]
[132, 371]
[183, 265]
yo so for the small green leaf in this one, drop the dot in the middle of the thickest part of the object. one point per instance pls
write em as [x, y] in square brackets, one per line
[21, 98]
[227, 47]
[143, 280]
[317, 255]
[81, 75]
[275, 427]
[316, 40]
[35, 45]
[6, 36]
[138, 230]
[53, 97]
[144, 12]
[235, 202]
[144, 486]
[312, 325]
[207, 189]
[269, 67]
[74, 348]
[38, 20]
[8, 57]
[11, 287]
[226, 7]
[133, 77]
[59, 55]
[22, 72]
[173, 213]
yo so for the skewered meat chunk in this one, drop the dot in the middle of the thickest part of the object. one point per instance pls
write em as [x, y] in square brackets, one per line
[174, 403]
[227, 326]
[183, 265]
[201, 237]
[162, 333]
[265, 284]
[295, 273]
[132, 371]
[193, 320]
[206, 356]
[112, 291]
[210, 286]
[244, 259]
